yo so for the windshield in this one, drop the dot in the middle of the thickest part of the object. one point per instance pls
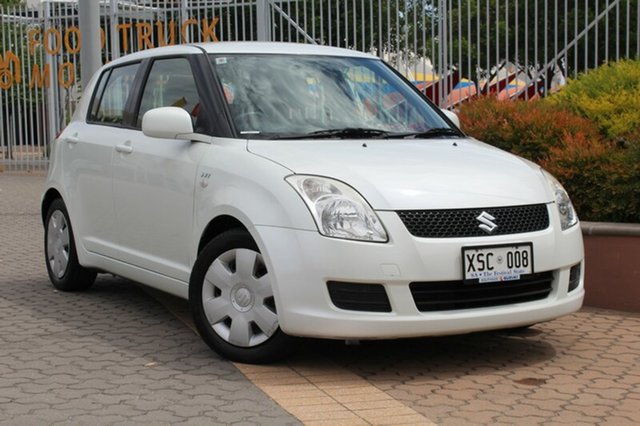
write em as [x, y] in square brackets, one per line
[295, 96]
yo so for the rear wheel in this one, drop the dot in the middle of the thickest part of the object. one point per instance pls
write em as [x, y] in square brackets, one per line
[65, 273]
[232, 302]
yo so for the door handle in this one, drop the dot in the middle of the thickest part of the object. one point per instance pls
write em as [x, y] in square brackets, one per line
[125, 149]
[72, 140]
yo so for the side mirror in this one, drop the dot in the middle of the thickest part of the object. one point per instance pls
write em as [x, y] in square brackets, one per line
[451, 116]
[167, 123]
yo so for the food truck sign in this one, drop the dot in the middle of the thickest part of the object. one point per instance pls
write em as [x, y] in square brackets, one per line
[68, 40]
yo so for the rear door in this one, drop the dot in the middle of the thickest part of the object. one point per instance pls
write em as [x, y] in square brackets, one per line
[153, 179]
[89, 147]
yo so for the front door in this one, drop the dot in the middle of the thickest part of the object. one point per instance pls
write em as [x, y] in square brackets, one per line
[153, 179]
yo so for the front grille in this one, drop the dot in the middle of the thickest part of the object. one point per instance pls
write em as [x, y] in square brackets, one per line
[450, 295]
[359, 297]
[464, 223]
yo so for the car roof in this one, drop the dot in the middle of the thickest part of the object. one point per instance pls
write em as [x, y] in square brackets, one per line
[278, 48]
[242, 47]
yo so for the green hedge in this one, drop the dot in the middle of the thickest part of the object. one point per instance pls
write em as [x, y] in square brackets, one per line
[608, 96]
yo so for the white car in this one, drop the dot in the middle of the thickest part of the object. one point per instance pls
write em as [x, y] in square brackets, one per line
[296, 190]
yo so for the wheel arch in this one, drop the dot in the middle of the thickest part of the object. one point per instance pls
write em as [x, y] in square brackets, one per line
[217, 226]
[49, 197]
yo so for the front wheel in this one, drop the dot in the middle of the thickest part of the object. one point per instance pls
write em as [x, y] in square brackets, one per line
[232, 302]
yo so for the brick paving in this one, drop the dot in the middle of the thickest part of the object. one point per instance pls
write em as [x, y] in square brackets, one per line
[111, 355]
[115, 355]
[323, 393]
[581, 369]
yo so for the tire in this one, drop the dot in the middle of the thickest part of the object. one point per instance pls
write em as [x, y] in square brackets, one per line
[231, 300]
[65, 273]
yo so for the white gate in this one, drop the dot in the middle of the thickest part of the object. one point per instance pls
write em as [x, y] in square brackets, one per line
[451, 49]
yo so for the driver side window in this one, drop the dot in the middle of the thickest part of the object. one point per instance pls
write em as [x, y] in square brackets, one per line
[170, 83]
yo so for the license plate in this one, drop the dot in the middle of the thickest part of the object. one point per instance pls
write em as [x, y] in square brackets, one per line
[486, 264]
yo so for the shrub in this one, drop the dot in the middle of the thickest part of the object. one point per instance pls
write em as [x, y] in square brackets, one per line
[598, 178]
[529, 129]
[608, 96]
[602, 178]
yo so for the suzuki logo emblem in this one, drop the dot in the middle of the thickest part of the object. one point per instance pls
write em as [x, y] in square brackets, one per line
[486, 222]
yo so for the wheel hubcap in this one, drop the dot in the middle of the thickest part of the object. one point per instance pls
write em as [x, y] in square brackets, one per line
[242, 298]
[238, 299]
[58, 244]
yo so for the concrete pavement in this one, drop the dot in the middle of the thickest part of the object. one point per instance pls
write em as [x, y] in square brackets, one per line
[115, 355]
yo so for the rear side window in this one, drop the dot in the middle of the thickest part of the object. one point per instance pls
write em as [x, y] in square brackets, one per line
[112, 94]
[170, 83]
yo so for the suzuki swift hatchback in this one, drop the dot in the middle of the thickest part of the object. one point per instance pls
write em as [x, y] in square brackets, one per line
[294, 190]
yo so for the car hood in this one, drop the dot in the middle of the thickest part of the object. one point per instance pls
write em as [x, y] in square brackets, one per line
[415, 174]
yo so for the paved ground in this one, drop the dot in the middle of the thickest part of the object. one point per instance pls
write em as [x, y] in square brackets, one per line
[116, 355]
[110, 355]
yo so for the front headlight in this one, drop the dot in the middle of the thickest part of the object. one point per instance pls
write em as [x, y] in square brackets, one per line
[338, 210]
[568, 216]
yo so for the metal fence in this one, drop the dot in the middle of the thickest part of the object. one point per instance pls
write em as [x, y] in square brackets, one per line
[451, 49]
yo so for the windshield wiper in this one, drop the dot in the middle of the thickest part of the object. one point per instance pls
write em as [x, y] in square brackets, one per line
[363, 133]
[436, 132]
[342, 133]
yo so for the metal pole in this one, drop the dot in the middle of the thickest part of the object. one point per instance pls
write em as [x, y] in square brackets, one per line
[52, 122]
[90, 58]
[263, 20]
[114, 37]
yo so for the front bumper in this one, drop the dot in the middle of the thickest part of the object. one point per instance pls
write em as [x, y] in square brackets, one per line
[301, 262]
